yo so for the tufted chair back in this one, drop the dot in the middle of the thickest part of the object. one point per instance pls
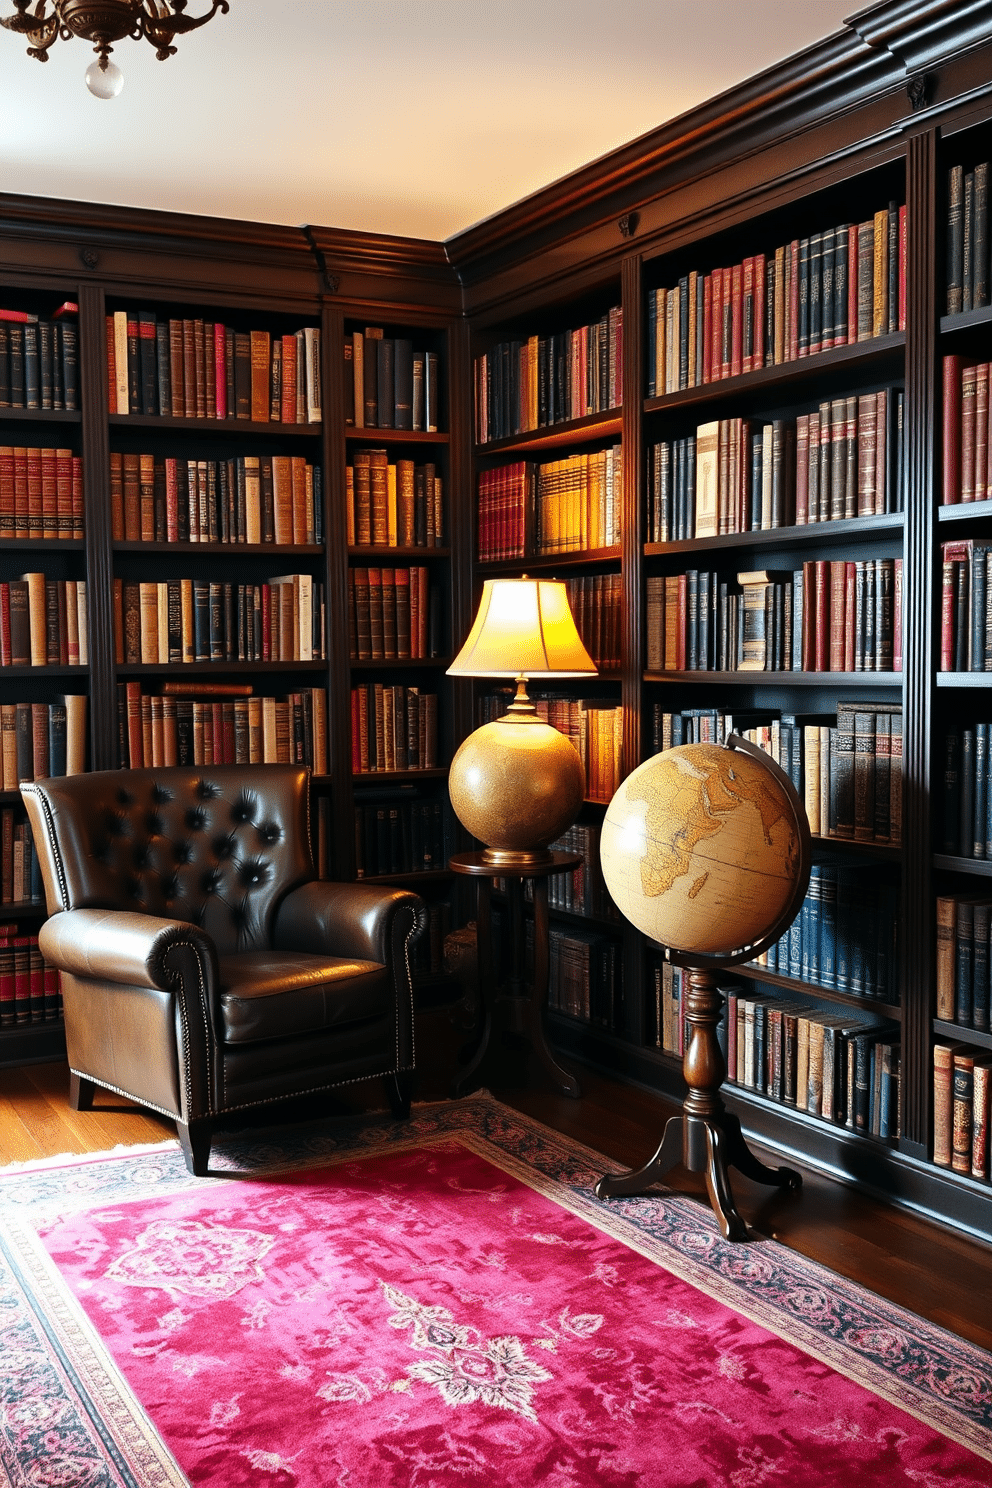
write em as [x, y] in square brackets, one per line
[218, 847]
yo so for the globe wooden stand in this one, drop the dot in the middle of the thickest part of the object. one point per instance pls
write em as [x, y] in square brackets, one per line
[705, 1138]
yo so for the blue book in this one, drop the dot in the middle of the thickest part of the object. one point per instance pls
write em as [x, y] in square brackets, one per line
[980, 814]
[889, 1102]
[796, 947]
[815, 897]
[692, 619]
[963, 943]
[704, 660]
[980, 965]
[966, 821]
[828, 927]
[842, 934]
[804, 919]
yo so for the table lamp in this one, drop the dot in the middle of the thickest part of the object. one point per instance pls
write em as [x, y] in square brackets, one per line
[517, 784]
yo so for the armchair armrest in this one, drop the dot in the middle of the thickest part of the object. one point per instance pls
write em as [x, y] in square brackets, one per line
[121, 946]
[368, 921]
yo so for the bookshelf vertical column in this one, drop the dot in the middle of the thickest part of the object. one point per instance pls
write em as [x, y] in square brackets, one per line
[96, 502]
[918, 643]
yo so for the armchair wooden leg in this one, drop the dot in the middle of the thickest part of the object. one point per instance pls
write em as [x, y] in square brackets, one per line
[195, 1142]
[81, 1092]
[399, 1089]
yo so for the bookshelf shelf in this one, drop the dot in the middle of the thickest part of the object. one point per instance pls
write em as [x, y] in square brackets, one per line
[976, 1036]
[962, 679]
[40, 416]
[857, 680]
[395, 777]
[965, 511]
[222, 550]
[871, 1006]
[395, 436]
[945, 863]
[552, 562]
[587, 430]
[214, 427]
[216, 669]
[402, 663]
[809, 535]
[399, 555]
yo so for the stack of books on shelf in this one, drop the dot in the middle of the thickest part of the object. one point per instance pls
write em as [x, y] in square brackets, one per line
[399, 832]
[190, 620]
[841, 285]
[585, 976]
[392, 728]
[41, 492]
[582, 890]
[20, 875]
[38, 740]
[829, 1064]
[248, 499]
[961, 1082]
[39, 359]
[397, 504]
[828, 616]
[740, 475]
[393, 614]
[393, 385]
[216, 723]
[30, 988]
[846, 935]
[563, 506]
[967, 238]
[847, 768]
[965, 615]
[43, 622]
[195, 368]
[596, 601]
[963, 926]
[966, 799]
[521, 386]
[967, 471]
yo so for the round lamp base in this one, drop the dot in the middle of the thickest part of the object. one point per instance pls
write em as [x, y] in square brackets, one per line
[516, 785]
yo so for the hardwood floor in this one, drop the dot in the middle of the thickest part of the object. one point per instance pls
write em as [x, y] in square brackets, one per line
[931, 1271]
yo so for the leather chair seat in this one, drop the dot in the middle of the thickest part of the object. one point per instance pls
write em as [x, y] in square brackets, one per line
[280, 994]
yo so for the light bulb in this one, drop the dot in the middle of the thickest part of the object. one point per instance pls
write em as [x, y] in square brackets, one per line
[104, 79]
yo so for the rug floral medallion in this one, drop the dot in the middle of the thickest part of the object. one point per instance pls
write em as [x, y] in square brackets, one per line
[441, 1304]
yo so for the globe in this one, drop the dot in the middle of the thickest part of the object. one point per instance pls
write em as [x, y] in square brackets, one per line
[705, 848]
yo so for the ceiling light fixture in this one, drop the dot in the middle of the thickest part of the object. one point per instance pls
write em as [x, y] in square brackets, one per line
[103, 22]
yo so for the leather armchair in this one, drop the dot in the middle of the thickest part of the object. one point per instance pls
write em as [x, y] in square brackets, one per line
[205, 970]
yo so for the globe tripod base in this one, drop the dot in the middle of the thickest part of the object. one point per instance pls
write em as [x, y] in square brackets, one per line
[705, 1138]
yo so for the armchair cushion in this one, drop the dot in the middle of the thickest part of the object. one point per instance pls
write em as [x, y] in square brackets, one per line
[268, 995]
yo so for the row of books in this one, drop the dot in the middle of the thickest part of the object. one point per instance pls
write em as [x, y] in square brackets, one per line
[392, 728]
[738, 475]
[965, 617]
[20, 874]
[38, 740]
[563, 506]
[828, 616]
[829, 1064]
[155, 730]
[396, 504]
[835, 287]
[967, 238]
[247, 499]
[846, 935]
[585, 976]
[848, 769]
[190, 620]
[964, 923]
[594, 726]
[521, 385]
[965, 828]
[30, 987]
[43, 622]
[39, 359]
[582, 890]
[967, 469]
[596, 602]
[397, 833]
[392, 385]
[961, 1084]
[41, 492]
[193, 368]
[393, 614]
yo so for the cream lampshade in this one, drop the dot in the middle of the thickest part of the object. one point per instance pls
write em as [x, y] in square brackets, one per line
[517, 784]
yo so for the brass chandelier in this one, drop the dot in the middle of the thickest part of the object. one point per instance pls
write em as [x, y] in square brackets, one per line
[103, 22]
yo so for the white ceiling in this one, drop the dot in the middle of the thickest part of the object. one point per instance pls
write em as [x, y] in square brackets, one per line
[417, 117]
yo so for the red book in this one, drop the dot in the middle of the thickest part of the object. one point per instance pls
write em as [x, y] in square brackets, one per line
[838, 614]
[802, 470]
[969, 392]
[64, 521]
[7, 506]
[760, 291]
[35, 516]
[5, 652]
[356, 735]
[953, 366]
[736, 319]
[821, 644]
[77, 496]
[22, 317]
[49, 494]
[747, 314]
[850, 580]
[135, 737]
[809, 616]
[220, 370]
[982, 432]
[680, 630]
[289, 379]
[171, 501]
[68, 307]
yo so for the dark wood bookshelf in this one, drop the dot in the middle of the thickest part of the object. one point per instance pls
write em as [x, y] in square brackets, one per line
[222, 549]
[582, 431]
[982, 1039]
[41, 415]
[395, 436]
[856, 680]
[809, 534]
[212, 427]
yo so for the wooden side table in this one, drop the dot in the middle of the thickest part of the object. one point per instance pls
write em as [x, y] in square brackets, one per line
[520, 1007]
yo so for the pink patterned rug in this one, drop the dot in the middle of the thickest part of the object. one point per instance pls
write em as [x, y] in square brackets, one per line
[438, 1304]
